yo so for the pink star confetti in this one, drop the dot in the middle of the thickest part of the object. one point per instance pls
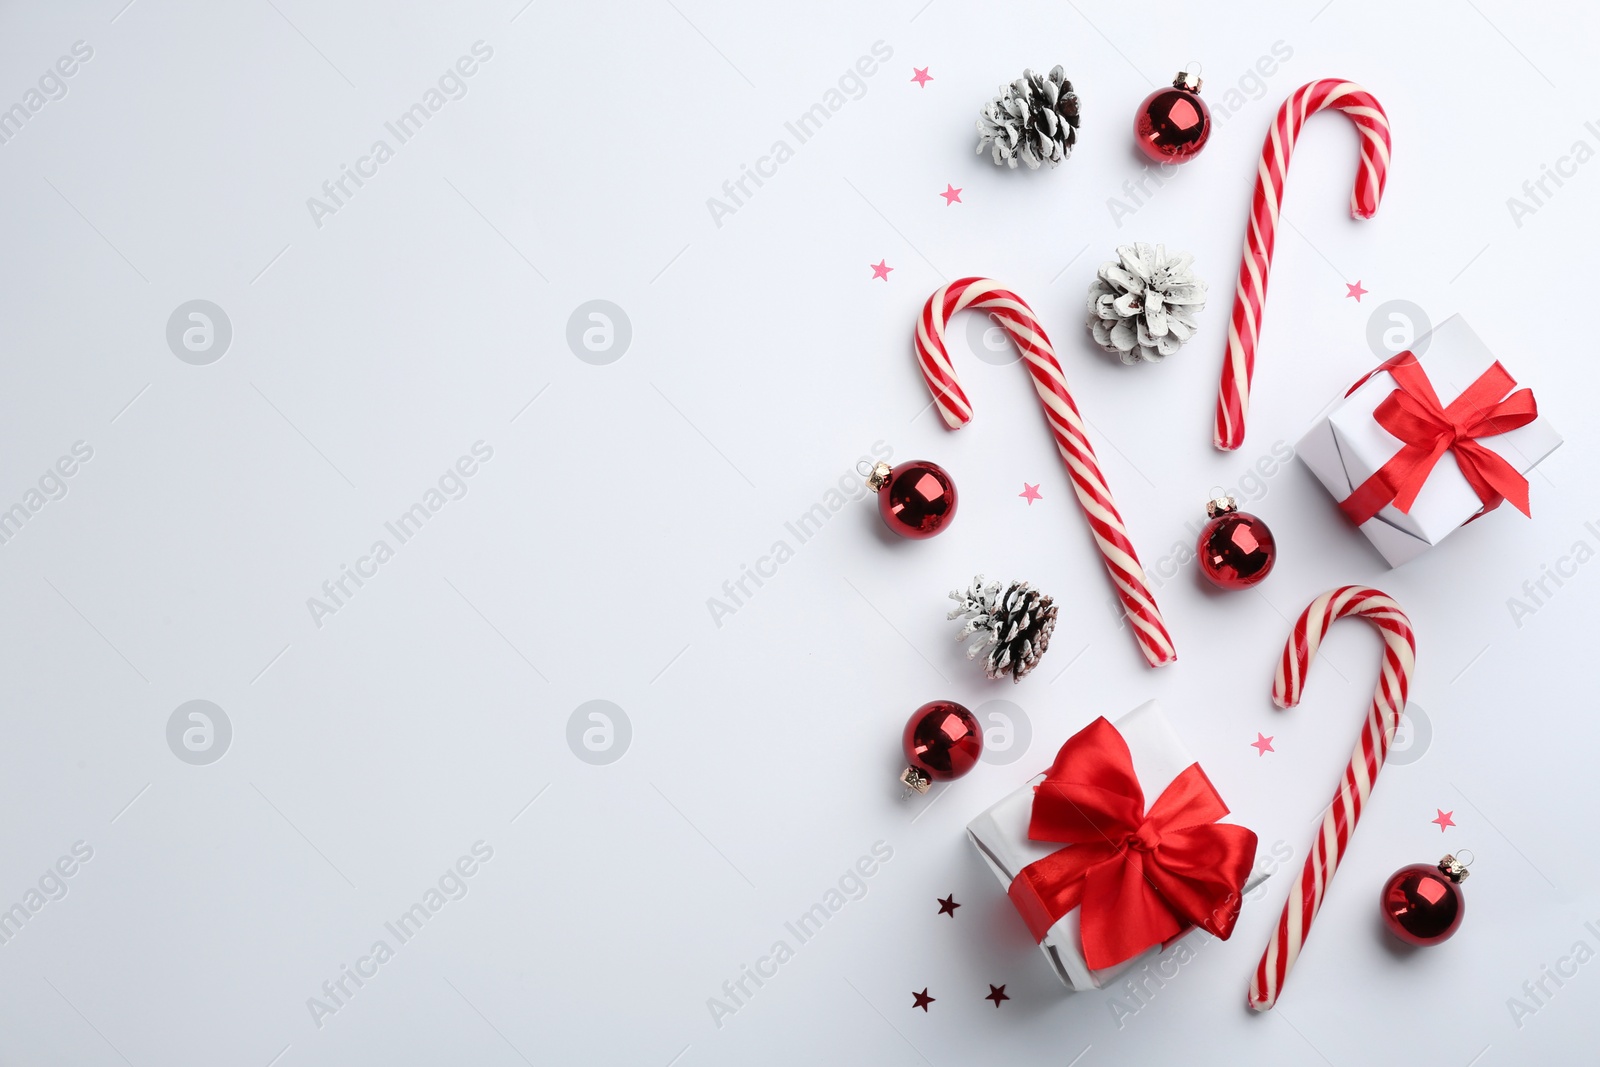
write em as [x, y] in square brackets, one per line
[951, 194]
[1262, 744]
[1355, 291]
[881, 269]
[1030, 493]
[1443, 819]
[921, 76]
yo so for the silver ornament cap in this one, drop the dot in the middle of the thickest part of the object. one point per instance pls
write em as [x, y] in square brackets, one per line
[1186, 81]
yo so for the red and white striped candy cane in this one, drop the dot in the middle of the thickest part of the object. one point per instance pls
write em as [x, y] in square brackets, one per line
[1250, 297]
[1339, 821]
[1019, 321]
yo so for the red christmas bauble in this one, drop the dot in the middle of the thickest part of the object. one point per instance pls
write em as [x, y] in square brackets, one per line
[1236, 549]
[917, 499]
[1423, 904]
[1172, 125]
[942, 741]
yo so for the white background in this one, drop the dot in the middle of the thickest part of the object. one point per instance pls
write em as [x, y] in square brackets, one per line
[370, 352]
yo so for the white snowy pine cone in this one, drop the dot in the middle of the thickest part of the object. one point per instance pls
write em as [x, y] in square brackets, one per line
[1144, 305]
[1013, 627]
[1034, 119]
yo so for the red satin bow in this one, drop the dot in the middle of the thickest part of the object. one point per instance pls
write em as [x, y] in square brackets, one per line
[1140, 877]
[1429, 429]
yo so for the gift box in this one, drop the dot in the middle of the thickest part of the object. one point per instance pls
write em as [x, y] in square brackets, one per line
[1423, 445]
[1116, 851]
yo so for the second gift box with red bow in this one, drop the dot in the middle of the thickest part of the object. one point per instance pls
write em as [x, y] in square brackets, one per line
[1118, 849]
[1429, 441]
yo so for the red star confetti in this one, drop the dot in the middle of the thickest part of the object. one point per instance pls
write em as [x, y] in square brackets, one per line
[881, 269]
[951, 194]
[1262, 744]
[997, 993]
[1355, 291]
[1030, 493]
[921, 76]
[948, 905]
[922, 1000]
[1443, 819]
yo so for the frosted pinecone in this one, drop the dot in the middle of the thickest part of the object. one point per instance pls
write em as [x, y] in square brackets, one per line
[1143, 306]
[1034, 119]
[1013, 628]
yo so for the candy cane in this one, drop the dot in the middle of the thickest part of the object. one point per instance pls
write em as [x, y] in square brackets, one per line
[1244, 331]
[1339, 821]
[1019, 321]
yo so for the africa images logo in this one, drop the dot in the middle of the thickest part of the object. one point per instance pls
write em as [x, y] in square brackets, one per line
[52, 485]
[452, 485]
[804, 127]
[848, 487]
[199, 332]
[599, 332]
[452, 885]
[599, 732]
[52, 85]
[852, 885]
[337, 192]
[199, 732]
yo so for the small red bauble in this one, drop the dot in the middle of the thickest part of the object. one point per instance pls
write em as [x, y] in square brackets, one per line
[917, 499]
[1423, 903]
[942, 741]
[1236, 549]
[1172, 125]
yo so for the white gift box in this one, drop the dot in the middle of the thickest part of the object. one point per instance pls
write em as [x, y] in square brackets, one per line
[1346, 446]
[1000, 835]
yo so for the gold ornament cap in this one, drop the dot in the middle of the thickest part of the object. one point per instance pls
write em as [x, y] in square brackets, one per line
[878, 477]
[1221, 504]
[915, 781]
[1455, 868]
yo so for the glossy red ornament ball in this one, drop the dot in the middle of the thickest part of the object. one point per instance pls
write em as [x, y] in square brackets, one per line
[1172, 125]
[942, 741]
[1423, 904]
[917, 499]
[1236, 549]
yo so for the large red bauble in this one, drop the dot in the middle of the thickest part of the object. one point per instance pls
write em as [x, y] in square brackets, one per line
[1236, 550]
[1422, 904]
[1172, 124]
[918, 500]
[942, 740]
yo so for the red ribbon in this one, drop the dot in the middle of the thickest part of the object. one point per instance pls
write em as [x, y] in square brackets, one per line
[1429, 429]
[1141, 877]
